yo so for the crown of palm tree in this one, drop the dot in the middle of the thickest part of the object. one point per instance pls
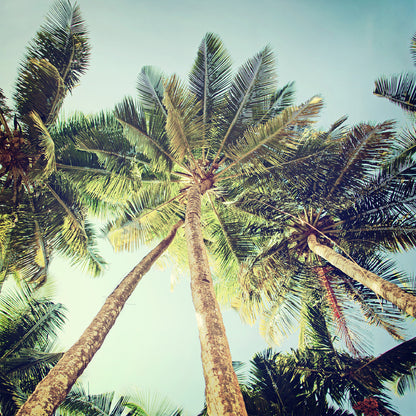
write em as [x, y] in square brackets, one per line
[40, 203]
[356, 197]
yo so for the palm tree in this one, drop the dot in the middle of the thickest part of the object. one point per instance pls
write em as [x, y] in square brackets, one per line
[302, 381]
[28, 329]
[194, 142]
[53, 389]
[40, 209]
[202, 137]
[354, 200]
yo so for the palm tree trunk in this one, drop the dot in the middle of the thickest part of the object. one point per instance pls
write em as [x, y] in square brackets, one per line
[222, 391]
[383, 288]
[52, 390]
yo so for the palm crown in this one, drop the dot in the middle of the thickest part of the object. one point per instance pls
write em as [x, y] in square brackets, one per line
[41, 209]
[357, 197]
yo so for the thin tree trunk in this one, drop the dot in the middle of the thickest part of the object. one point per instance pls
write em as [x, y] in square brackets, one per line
[383, 288]
[52, 390]
[222, 391]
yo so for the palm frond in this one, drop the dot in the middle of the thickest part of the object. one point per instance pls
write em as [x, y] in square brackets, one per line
[209, 80]
[80, 402]
[60, 43]
[46, 143]
[246, 98]
[399, 89]
[150, 86]
[151, 404]
[147, 135]
[273, 142]
[184, 125]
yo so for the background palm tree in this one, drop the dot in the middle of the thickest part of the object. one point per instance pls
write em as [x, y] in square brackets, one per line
[40, 208]
[302, 381]
[28, 329]
[345, 203]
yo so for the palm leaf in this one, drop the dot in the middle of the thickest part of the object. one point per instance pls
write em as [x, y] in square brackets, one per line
[273, 142]
[150, 86]
[184, 125]
[55, 60]
[399, 89]
[247, 96]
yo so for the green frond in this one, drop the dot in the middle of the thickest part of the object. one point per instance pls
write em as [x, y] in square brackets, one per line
[147, 135]
[60, 43]
[362, 151]
[150, 86]
[227, 241]
[209, 80]
[399, 89]
[80, 402]
[151, 404]
[184, 124]
[271, 143]
[281, 99]
[388, 366]
[46, 143]
[150, 214]
[248, 95]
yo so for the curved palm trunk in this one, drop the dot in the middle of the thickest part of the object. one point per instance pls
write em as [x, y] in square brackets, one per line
[222, 391]
[387, 290]
[50, 392]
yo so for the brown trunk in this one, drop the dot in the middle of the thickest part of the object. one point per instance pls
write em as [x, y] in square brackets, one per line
[383, 288]
[222, 391]
[50, 392]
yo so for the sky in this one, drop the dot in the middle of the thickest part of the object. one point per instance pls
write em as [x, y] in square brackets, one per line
[335, 49]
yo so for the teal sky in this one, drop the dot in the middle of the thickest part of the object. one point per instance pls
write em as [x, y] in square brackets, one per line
[335, 49]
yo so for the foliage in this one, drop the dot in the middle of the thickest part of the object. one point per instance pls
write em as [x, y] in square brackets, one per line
[28, 328]
[40, 206]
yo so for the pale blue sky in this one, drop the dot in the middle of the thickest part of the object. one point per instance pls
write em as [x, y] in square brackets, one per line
[332, 48]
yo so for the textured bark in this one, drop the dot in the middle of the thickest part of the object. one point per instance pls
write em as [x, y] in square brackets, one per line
[222, 391]
[383, 288]
[50, 392]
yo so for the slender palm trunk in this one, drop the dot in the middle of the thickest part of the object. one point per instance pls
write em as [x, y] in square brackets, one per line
[383, 288]
[222, 391]
[50, 392]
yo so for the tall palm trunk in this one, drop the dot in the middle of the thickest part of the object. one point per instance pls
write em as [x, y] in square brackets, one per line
[387, 290]
[50, 392]
[222, 391]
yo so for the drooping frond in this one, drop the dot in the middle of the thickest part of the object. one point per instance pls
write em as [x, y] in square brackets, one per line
[55, 60]
[46, 143]
[399, 89]
[150, 86]
[147, 135]
[273, 142]
[247, 97]
[151, 213]
[184, 124]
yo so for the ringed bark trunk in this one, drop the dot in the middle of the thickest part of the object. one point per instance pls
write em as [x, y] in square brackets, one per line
[222, 391]
[52, 390]
[387, 290]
